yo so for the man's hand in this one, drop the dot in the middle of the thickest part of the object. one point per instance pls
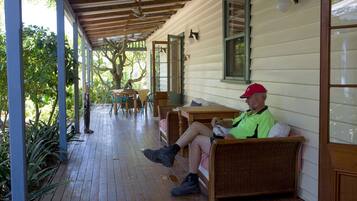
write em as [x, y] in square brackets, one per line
[229, 137]
[214, 121]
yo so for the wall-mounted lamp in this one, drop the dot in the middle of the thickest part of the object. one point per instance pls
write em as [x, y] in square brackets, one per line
[194, 35]
[162, 50]
[187, 57]
[283, 5]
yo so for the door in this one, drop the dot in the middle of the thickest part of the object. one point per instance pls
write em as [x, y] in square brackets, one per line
[159, 73]
[159, 66]
[175, 68]
[338, 101]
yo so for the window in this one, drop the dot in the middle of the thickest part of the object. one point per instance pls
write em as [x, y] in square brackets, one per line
[236, 40]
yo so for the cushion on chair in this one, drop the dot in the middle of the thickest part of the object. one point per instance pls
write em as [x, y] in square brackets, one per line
[163, 125]
[204, 164]
[194, 103]
[279, 129]
[202, 101]
[203, 171]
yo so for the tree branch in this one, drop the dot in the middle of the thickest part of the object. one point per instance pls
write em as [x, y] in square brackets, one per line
[101, 79]
[142, 75]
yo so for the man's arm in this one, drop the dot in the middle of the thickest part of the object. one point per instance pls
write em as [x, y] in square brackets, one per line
[229, 137]
[227, 123]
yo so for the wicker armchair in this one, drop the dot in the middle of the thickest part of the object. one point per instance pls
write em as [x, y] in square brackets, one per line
[169, 124]
[252, 167]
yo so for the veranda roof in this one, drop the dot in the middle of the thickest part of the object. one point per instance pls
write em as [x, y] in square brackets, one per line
[116, 19]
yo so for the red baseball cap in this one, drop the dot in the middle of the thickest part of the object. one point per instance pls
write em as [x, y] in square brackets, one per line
[252, 89]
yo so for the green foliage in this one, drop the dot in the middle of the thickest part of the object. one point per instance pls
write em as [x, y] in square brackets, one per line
[42, 159]
[49, 3]
[103, 80]
[40, 69]
[116, 53]
[39, 65]
[99, 93]
[40, 83]
[40, 73]
[3, 77]
[4, 167]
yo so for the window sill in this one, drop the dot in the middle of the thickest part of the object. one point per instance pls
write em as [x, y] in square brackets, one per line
[233, 81]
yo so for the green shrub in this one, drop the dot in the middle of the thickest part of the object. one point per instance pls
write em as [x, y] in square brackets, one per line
[42, 155]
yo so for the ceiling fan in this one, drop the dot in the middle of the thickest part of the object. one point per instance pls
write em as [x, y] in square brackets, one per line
[135, 37]
[138, 11]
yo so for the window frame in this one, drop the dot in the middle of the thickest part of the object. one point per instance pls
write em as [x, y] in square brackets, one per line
[246, 71]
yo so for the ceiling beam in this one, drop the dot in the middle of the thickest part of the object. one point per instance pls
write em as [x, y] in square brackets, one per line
[96, 21]
[123, 26]
[102, 42]
[90, 1]
[97, 45]
[131, 30]
[123, 22]
[118, 33]
[121, 6]
[129, 12]
[72, 17]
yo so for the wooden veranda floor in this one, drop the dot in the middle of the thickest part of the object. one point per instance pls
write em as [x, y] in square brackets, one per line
[108, 165]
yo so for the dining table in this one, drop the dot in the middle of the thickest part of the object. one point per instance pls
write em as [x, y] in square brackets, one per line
[125, 93]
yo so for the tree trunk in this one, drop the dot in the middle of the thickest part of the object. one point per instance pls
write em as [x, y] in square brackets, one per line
[97, 72]
[1, 107]
[37, 117]
[5, 121]
[52, 111]
[3, 125]
[116, 80]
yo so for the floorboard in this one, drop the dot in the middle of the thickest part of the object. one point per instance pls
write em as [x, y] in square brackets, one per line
[108, 165]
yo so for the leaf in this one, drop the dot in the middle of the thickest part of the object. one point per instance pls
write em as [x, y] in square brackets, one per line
[43, 191]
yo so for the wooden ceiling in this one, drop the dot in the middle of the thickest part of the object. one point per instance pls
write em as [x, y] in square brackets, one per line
[116, 19]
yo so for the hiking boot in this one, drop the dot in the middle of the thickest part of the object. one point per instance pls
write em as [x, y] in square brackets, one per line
[152, 155]
[190, 185]
[165, 156]
[88, 131]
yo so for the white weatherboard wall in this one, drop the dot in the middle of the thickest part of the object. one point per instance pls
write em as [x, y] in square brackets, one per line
[285, 58]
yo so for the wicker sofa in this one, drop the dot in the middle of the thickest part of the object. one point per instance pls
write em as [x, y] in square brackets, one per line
[252, 167]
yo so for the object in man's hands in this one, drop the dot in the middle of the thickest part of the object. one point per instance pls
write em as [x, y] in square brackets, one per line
[219, 130]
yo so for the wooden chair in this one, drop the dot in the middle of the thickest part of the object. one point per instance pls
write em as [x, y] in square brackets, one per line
[120, 101]
[252, 167]
[168, 124]
[150, 100]
[160, 98]
[143, 96]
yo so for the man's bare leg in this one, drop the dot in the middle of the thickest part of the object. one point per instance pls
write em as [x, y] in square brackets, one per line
[166, 155]
[195, 129]
[201, 144]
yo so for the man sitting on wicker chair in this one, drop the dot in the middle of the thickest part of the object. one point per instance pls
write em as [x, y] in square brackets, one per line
[254, 123]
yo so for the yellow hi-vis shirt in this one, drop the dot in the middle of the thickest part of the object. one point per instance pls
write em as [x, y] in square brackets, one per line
[252, 125]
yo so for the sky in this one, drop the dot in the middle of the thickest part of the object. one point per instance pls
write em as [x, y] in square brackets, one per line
[40, 14]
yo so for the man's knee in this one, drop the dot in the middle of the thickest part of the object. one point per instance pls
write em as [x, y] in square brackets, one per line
[196, 125]
[201, 141]
[194, 141]
[198, 140]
